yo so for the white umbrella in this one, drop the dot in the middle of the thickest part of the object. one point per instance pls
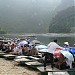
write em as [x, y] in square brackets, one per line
[33, 42]
[67, 54]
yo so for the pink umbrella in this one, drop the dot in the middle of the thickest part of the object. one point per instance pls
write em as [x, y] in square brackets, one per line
[57, 52]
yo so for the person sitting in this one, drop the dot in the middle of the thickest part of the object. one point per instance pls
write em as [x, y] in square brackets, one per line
[33, 51]
[59, 62]
[26, 49]
[17, 50]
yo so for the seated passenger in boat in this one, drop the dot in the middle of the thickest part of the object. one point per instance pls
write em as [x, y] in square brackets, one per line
[26, 50]
[59, 62]
[33, 51]
[17, 50]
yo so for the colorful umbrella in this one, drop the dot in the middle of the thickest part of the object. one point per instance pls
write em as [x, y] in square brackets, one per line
[57, 52]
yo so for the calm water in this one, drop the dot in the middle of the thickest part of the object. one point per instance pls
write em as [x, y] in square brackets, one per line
[61, 40]
[47, 38]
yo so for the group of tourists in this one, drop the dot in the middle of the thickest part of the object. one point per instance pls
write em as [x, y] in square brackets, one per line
[61, 57]
[13, 47]
[54, 55]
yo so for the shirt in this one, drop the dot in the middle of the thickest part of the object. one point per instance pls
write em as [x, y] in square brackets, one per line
[52, 46]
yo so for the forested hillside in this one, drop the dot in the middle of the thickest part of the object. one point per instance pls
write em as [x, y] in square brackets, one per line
[63, 22]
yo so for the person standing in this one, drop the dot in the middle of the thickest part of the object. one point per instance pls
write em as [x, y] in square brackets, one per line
[52, 46]
[66, 46]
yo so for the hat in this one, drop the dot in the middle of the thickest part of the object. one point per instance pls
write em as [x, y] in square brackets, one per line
[66, 43]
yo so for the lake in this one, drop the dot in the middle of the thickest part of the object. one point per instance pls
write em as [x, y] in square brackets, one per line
[46, 38]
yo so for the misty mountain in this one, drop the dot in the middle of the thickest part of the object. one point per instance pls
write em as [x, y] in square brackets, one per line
[29, 16]
[63, 22]
[64, 4]
[26, 15]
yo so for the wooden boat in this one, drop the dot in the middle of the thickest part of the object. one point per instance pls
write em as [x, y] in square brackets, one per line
[55, 71]
[2, 54]
[9, 56]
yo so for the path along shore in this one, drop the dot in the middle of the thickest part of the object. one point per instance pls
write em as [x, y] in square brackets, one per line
[7, 68]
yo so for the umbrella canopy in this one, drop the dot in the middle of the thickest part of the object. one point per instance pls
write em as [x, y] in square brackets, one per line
[41, 47]
[57, 52]
[43, 50]
[22, 43]
[33, 42]
[67, 54]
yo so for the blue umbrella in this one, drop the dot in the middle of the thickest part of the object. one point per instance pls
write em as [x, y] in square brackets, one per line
[43, 50]
[39, 47]
[72, 50]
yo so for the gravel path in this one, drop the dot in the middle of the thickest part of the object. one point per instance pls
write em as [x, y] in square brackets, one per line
[7, 68]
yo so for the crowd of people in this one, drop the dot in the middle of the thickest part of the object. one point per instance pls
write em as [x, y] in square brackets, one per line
[47, 57]
[15, 48]
[58, 59]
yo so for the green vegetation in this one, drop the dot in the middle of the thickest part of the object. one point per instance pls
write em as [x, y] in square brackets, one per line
[63, 22]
